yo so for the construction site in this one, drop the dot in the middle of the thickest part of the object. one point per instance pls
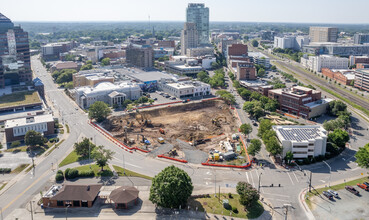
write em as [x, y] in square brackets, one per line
[194, 132]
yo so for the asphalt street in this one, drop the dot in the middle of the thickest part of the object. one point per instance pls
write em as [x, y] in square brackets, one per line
[292, 181]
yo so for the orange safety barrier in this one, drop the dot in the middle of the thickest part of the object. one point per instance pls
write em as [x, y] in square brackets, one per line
[171, 158]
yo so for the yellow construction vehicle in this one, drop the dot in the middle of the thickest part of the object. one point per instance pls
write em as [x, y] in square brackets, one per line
[216, 121]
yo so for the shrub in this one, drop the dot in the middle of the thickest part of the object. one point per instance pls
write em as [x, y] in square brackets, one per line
[15, 144]
[227, 206]
[230, 195]
[60, 172]
[5, 170]
[59, 177]
[89, 173]
[235, 210]
[71, 173]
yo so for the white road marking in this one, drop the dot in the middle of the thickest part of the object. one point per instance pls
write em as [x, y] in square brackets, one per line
[132, 165]
[290, 178]
[252, 180]
[247, 177]
[355, 168]
[295, 176]
[322, 181]
[257, 174]
[277, 195]
[207, 178]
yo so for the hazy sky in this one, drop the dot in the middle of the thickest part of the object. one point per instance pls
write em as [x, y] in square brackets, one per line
[310, 11]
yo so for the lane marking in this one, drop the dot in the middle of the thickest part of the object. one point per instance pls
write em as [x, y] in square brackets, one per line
[252, 180]
[277, 195]
[322, 181]
[290, 178]
[295, 176]
[247, 177]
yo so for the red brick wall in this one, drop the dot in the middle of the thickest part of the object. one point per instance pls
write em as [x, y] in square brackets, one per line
[237, 50]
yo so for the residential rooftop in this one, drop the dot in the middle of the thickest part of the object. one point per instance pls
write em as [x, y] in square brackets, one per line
[297, 133]
[29, 120]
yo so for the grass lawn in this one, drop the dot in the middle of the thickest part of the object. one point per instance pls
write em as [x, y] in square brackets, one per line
[37, 149]
[17, 149]
[19, 98]
[71, 158]
[20, 168]
[96, 169]
[315, 192]
[1, 187]
[121, 171]
[213, 205]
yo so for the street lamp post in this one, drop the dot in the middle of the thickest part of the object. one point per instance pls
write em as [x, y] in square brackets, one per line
[124, 165]
[259, 182]
[66, 212]
[330, 173]
[215, 183]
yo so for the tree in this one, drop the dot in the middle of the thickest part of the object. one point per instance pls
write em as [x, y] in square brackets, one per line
[336, 107]
[84, 147]
[102, 156]
[362, 156]
[171, 188]
[15, 144]
[274, 68]
[227, 96]
[289, 157]
[254, 43]
[105, 61]
[99, 111]
[246, 129]
[339, 137]
[87, 66]
[258, 112]
[143, 99]
[126, 102]
[261, 72]
[265, 125]
[248, 194]
[271, 106]
[203, 76]
[33, 138]
[273, 146]
[254, 147]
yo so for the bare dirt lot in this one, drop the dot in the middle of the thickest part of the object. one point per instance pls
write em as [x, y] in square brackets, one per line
[205, 123]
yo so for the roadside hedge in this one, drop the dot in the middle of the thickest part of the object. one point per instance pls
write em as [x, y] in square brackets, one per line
[5, 170]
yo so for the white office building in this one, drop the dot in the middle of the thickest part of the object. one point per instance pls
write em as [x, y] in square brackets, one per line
[182, 89]
[260, 59]
[284, 42]
[111, 94]
[316, 63]
[303, 141]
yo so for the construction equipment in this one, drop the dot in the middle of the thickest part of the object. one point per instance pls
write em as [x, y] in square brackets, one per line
[216, 121]
[143, 138]
[173, 153]
[161, 131]
[161, 140]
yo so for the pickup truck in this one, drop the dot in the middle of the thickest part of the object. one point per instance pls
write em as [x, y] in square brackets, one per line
[352, 190]
[363, 186]
[328, 195]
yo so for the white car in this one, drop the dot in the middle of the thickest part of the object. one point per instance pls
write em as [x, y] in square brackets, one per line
[333, 193]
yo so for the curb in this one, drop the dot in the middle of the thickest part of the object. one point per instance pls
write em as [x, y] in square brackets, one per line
[304, 206]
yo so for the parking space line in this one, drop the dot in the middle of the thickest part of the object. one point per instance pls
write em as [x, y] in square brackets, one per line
[252, 179]
[290, 178]
[295, 176]
[247, 177]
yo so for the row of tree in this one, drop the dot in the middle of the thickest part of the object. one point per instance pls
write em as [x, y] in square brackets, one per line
[215, 81]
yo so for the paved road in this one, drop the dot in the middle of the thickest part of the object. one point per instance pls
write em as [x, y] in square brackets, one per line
[292, 182]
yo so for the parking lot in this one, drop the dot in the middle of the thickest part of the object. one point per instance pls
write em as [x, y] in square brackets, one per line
[270, 75]
[348, 206]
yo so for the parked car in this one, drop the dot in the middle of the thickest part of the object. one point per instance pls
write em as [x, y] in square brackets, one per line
[363, 186]
[155, 99]
[327, 194]
[172, 98]
[333, 193]
[352, 190]
[366, 183]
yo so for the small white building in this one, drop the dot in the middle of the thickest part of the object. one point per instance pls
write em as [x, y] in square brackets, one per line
[316, 63]
[207, 61]
[303, 141]
[15, 129]
[107, 92]
[182, 89]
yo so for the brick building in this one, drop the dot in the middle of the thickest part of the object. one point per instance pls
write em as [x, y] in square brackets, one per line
[358, 59]
[237, 50]
[362, 79]
[362, 66]
[296, 100]
[167, 43]
[245, 71]
[344, 77]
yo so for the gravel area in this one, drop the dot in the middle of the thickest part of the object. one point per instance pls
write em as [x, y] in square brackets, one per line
[195, 156]
[162, 149]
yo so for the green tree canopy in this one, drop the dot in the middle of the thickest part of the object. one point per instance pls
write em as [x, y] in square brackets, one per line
[99, 111]
[289, 157]
[273, 146]
[227, 96]
[203, 76]
[102, 156]
[254, 147]
[362, 156]
[336, 107]
[339, 137]
[84, 147]
[105, 61]
[254, 43]
[33, 138]
[248, 194]
[265, 125]
[171, 188]
[246, 129]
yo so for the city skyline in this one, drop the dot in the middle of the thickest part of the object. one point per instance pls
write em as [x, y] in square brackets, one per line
[286, 11]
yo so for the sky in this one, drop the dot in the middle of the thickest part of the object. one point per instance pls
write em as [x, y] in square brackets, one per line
[291, 11]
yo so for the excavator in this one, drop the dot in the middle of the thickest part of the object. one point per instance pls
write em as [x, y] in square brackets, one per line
[162, 131]
[216, 121]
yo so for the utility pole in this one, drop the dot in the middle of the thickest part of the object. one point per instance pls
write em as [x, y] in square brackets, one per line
[259, 182]
[286, 206]
[30, 203]
[215, 184]
[124, 165]
[66, 212]
[311, 176]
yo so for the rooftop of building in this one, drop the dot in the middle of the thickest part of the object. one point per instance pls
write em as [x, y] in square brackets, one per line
[66, 65]
[295, 90]
[187, 67]
[349, 74]
[187, 84]
[19, 99]
[29, 120]
[107, 86]
[365, 71]
[318, 103]
[74, 192]
[253, 83]
[257, 54]
[298, 133]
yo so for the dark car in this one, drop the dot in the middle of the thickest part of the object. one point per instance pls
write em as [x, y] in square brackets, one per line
[327, 194]
[366, 183]
[352, 190]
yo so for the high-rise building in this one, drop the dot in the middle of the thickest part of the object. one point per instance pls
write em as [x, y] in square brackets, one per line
[323, 34]
[189, 37]
[199, 14]
[140, 55]
[14, 53]
[361, 38]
